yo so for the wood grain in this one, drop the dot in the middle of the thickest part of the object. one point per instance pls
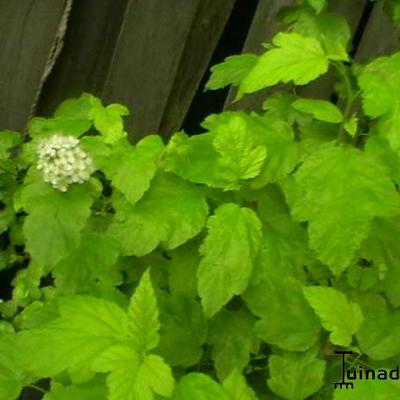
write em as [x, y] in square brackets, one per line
[146, 59]
[27, 34]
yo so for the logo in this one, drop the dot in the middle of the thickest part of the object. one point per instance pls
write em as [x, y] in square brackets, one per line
[362, 373]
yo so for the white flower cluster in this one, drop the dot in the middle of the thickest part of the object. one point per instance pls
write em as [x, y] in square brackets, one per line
[63, 162]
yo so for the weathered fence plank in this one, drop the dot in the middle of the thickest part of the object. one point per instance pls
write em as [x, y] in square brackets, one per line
[83, 65]
[208, 25]
[28, 30]
[146, 59]
[380, 36]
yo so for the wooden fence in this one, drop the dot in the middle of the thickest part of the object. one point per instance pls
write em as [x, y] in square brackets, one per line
[148, 54]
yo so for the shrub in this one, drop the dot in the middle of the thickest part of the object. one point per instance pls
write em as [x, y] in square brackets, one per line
[226, 265]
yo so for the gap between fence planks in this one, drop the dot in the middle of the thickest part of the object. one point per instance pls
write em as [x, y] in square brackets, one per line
[206, 31]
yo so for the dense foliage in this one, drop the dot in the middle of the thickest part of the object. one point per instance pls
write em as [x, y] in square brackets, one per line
[226, 265]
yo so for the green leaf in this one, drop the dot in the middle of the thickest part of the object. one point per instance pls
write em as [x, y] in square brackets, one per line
[231, 335]
[8, 140]
[370, 390]
[95, 390]
[295, 58]
[91, 261]
[380, 83]
[231, 72]
[296, 376]
[183, 327]
[321, 110]
[286, 320]
[283, 152]
[332, 30]
[379, 147]
[338, 191]
[351, 126]
[236, 387]
[268, 131]
[229, 252]
[12, 376]
[72, 117]
[381, 247]
[196, 386]
[379, 333]
[109, 122]
[143, 323]
[239, 156]
[86, 327]
[285, 242]
[182, 270]
[338, 316]
[171, 212]
[133, 378]
[317, 5]
[196, 160]
[131, 169]
[55, 220]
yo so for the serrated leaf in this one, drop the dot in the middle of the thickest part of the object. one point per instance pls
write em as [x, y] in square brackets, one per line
[240, 157]
[286, 320]
[182, 270]
[317, 5]
[231, 335]
[338, 316]
[296, 376]
[321, 110]
[89, 262]
[338, 191]
[236, 387]
[196, 160]
[12, 376]
[171, 212]
[370, 390]
[382, 249]
[379, 147]
[196, 386]
[351, 126]
[267, 131]
[86, 327]
[380, 81]
[379, 333]
[131, 169]
[95, 390]
[143, 323]
[72, 117]
[133, 378]
[380, 84]
[229, 252]
[109, 122]
[295, 58]
[183, 327]
[8, 140]
[285, 242]
[55, 220]
[231, 71]
[332, 30]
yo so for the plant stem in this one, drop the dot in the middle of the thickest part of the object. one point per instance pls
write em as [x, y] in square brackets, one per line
[350, 97]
